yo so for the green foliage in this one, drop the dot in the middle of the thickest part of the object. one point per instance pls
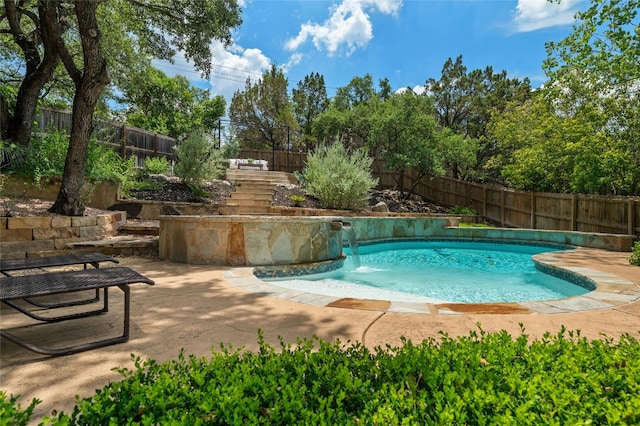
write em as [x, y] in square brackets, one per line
[596, 68]
[170, 105]
[11, 153]
[603, 45]
[230, 150]
[464, 103]
[541, 150]
[261, 114]
[403, 131]
[156, 165]
[482, 378]
[635, 254]
[462, 210]
[297, 199]
[11, 413]
[197, 160]
[349, 116]
[103, 163]
[309, 100]
[45, 157]
[339, 180]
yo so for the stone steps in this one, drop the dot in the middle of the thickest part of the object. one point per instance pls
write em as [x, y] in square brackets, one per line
[148, 227]
[254, 189]
[134, 239]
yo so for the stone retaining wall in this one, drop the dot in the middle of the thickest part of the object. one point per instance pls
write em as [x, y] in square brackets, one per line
[152, 210]
[22, 235]
[101, 196]
[249, 240]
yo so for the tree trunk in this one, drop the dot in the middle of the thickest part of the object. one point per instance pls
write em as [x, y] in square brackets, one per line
[38, 71]
[89, 87]
[20, 125]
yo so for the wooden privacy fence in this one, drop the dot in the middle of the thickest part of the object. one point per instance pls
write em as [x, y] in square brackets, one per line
[126, 140]
[283, 161]
[539, 210]
[506, 207]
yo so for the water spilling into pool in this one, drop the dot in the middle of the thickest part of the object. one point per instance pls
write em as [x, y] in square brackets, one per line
[441, 271]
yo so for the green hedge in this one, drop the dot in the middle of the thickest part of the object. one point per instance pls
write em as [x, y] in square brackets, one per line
[483, 378]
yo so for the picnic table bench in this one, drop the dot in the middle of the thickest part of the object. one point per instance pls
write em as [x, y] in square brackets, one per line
[14, 288]
[93, 259]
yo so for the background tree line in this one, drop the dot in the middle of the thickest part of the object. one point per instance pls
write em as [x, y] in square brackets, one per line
[577, 133]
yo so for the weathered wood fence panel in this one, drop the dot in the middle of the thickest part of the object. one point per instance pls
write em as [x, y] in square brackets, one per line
[127, 141]
[607, 214]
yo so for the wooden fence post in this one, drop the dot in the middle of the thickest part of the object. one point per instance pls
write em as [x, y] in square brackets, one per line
[574, 212]
[533, 210]
[631, 217]
[502, 208]
[123, 142]
[484, 201]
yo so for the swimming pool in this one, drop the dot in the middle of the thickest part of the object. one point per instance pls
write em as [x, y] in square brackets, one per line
[442, 271]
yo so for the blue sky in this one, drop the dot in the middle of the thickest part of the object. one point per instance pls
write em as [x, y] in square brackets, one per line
[406, 41]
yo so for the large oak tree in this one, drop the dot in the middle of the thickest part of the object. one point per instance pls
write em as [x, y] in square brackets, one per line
[54, 27]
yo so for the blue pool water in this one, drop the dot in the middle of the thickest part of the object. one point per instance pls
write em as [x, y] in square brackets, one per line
[439, 271]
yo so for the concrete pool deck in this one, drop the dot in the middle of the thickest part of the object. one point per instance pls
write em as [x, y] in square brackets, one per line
[194, 307]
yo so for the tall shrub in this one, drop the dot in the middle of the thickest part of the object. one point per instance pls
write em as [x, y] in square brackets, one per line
[339, 179]
[197, 160]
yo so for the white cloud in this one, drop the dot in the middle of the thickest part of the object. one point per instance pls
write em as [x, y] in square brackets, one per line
[532, 15]
[418, 90]
[349, 26]
[294, 60]
[230, 68]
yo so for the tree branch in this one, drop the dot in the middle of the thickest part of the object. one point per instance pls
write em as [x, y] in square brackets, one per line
[168, 12]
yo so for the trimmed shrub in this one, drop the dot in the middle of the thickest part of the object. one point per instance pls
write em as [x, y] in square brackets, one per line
[483, 378]
[198, 160]
[339, 180]
[156, 166]
[635, 254]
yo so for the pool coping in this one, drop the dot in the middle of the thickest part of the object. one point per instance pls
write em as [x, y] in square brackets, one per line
[611, 291]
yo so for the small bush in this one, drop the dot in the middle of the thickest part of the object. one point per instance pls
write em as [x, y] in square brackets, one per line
[11, 413]
[103, 163]
[297, 199]
[483, 378]
[338, 180]
[45, 156]
[635, 254]
[156, 166]
[198, 160]
[462, 210]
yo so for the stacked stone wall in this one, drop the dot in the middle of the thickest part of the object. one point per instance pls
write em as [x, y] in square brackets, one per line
[20, 236]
